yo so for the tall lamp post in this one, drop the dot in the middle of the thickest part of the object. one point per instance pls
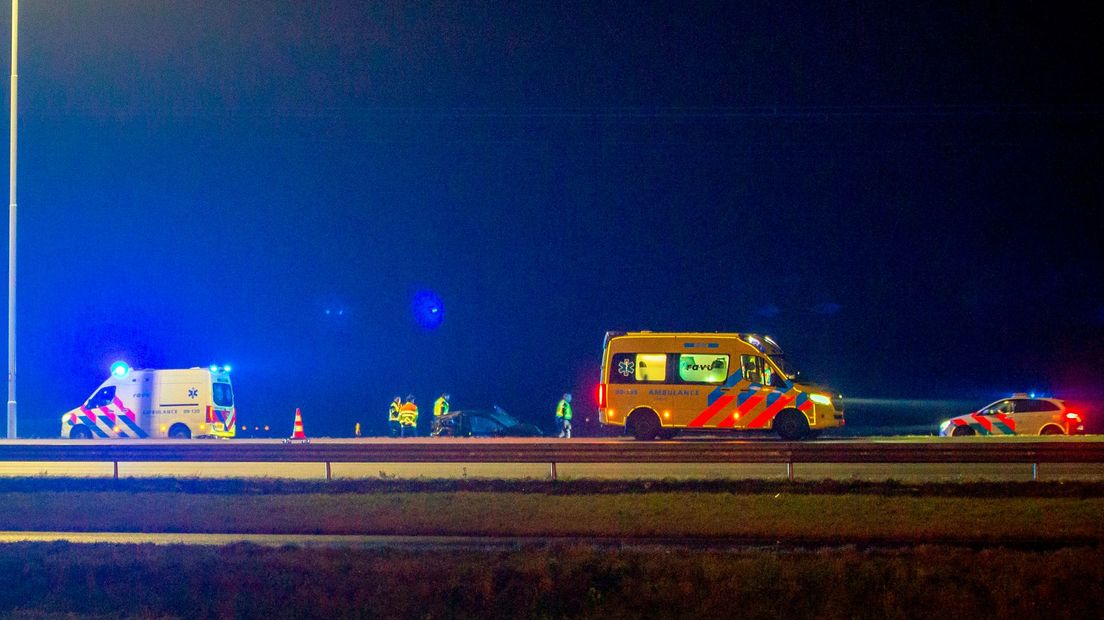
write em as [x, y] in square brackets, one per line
[11, 224]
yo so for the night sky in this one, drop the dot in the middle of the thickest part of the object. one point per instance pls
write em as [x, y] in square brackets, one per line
[907, 196]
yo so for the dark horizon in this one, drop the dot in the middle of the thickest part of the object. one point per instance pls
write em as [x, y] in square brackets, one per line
[907, 197]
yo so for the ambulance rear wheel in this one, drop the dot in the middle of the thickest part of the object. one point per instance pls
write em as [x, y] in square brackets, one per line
[962, 431]
[179, 431]
[791, 425]
[80, 431]
[644, 424]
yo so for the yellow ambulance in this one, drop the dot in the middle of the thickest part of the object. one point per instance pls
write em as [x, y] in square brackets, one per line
[656, 384]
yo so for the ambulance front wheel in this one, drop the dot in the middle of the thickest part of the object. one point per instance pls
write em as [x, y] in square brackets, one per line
[791, 425]
[80, 431]
[179, 431]
[644, 424]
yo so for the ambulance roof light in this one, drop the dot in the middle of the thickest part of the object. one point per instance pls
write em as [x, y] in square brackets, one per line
[226, 368]
[214, 368]
[119, 369]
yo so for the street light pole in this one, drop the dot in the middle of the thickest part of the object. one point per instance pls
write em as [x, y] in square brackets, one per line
[11, 222]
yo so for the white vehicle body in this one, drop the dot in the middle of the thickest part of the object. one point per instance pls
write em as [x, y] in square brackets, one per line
[178, 403]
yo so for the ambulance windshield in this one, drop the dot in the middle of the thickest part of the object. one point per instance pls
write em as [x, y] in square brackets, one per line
[224, 395]
[786, 369]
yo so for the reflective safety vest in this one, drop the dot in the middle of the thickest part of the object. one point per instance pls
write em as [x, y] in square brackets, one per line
[408, 414]
[393, 412]
[441, 407]
[563, 410]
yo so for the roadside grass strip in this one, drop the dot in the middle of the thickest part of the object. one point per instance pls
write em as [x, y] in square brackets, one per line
[576, 581]
[845, 518]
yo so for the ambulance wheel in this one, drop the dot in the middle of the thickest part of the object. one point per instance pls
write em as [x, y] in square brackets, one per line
[644, 424]
[962, 431]
[80, 431]
[179, 431]
[791, 425]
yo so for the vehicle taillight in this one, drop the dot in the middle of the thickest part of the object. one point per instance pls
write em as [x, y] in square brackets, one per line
[601, 395]
[1073, 416]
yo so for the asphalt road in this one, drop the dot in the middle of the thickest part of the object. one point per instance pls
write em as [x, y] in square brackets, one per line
[953, 472]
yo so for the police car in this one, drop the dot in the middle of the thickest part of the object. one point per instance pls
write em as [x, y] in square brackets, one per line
[1022, 414]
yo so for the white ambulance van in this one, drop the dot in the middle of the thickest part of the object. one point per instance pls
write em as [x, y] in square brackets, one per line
[178, 403]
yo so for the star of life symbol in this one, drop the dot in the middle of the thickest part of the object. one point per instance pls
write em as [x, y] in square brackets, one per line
[626, 368]
[193, 393]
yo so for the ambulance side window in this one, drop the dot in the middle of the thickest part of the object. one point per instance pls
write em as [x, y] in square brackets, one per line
[102, 398]
[701, 368]
[622, 368]
[651, 367]
[751, 364]
[638, 368]
[774, 379]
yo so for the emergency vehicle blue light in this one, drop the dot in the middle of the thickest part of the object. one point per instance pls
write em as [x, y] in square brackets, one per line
[119, 369]
[428, 309]
[226, 368]
[214, 368]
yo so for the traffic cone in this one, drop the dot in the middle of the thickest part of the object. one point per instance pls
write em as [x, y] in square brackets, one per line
[297, 433]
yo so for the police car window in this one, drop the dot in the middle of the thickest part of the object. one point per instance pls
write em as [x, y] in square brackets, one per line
[1004, 406]
[698, 368]
[651, 367]
[102, 398]
[1034, 405]
[223, 394]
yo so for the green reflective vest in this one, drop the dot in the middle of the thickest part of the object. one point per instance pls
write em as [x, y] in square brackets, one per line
[393, 412]
[563, 410]
[441, 407]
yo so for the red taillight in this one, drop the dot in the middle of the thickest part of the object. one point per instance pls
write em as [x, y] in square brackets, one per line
[1073, 416]
[601, 395]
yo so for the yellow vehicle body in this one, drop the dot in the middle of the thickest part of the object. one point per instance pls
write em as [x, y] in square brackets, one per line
[655, 384]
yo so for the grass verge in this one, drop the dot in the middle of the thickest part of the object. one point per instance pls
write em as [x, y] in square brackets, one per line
[56, 580]
[811, 518]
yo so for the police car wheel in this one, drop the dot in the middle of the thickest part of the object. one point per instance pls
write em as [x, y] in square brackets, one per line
[962, 431]
[1051, 430]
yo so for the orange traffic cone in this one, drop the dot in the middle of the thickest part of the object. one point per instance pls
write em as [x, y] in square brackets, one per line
[297, 433]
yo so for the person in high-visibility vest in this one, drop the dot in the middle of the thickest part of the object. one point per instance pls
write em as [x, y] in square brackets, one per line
[408, 417]
[441, 406]
[563, 416]
[356, 430]
[393, 425]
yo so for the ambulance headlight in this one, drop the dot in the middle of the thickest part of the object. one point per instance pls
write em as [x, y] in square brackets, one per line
[119, 369]
[944, 426]
[820, 399]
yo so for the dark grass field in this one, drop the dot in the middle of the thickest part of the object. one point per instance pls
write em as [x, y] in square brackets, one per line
[833, 549]
[62, 580]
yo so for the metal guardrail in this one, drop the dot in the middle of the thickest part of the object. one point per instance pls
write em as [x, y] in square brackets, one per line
[553, 452]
